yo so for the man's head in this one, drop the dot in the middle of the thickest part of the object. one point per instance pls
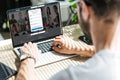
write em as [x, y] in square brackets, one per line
[103, 8]
[100, 8]
[55, 8]
[95, 14]
[12, 16]
[48, 10]
[20, 14]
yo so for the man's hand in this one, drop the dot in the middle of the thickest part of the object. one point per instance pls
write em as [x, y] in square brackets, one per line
[65, 45]
[30, 48]
[26, 70]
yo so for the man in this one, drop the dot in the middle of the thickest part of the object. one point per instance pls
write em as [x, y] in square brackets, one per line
[103, 19]
[14, 25]
[21, 22]
[56, 19]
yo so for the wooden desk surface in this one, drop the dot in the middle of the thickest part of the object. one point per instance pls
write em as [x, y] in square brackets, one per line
[8, 57]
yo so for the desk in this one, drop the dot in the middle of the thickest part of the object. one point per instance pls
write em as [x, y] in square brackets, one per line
[8, 57]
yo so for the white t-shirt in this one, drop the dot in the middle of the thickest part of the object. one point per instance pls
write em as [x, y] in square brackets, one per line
[104, 65]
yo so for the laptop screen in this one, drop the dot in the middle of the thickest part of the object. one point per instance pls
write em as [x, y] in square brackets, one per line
[35, 23]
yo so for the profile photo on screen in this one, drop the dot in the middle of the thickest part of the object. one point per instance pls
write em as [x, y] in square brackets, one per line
[56, 19]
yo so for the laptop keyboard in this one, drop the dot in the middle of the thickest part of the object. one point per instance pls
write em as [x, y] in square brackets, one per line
[45, 46]
[47, 56]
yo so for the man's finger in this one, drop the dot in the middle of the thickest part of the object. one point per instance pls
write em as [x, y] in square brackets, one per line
[26, 46]
[56, 42]
[58, 37]
[35, 45]
[23, 50]
[56, 49]
[30, 44]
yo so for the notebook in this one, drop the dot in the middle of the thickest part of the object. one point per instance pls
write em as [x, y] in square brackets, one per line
[6, 72]
[39, 24]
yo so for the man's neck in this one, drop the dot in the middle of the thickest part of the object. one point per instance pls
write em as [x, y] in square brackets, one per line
[108, 38]
[115, 43]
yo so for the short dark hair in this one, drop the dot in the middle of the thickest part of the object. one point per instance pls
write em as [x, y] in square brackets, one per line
[48, 8]
[55, 7]
[104, 7]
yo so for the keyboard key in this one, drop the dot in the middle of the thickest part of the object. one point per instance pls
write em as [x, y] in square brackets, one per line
[45, 46]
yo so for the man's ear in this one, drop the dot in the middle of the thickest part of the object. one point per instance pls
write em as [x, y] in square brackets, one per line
[85, 11]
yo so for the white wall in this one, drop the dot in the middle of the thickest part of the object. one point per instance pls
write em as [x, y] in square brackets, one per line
[35, 2]
[63, 5]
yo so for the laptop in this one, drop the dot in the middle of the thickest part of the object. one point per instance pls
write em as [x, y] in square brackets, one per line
[39, 24]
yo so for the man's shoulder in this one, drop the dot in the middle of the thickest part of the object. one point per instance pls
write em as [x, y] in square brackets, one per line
[100, 67]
